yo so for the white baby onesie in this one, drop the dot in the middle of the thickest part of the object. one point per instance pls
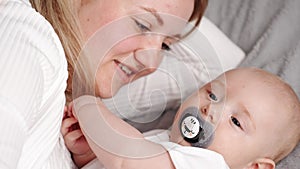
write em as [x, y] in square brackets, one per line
[185, 156]
[182, 156]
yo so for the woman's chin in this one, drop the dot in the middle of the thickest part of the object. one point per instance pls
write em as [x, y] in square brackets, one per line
[107, 93]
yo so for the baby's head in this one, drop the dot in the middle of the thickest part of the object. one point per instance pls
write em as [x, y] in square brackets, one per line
[256, 117]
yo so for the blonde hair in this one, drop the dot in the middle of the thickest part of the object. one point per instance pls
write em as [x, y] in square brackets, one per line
[63, 17]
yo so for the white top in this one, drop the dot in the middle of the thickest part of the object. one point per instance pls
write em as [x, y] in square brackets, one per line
[33, 79]
[183, 157]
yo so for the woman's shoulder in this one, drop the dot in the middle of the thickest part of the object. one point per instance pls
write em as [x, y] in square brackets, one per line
[22, 24]
[31, 56]
[26, 33]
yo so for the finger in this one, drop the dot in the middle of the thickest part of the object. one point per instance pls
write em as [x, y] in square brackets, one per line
[71, 137]
[67, 124]
[65, 112]
[71, 109]
[70, 105]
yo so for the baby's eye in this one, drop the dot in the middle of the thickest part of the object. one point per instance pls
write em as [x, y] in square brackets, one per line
[141, 26]
[166, 47]
[213, 97]
[236, 122]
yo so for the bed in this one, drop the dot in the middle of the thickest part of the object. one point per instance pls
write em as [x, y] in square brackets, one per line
[260, 33]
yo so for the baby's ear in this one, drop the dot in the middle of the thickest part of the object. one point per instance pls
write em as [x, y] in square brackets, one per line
[262, 163]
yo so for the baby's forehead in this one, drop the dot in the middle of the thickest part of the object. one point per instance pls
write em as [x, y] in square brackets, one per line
[248, 83]
[261, 86]
[249, 77]
[251, 80]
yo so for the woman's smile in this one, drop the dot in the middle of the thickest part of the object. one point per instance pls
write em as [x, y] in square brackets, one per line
[134, 50]
[125, 71]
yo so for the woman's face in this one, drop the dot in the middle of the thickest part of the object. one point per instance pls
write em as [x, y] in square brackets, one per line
[135, 56]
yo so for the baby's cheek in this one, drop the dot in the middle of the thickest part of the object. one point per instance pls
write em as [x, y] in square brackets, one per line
[219, 143]
[230, 148]
[175, 135]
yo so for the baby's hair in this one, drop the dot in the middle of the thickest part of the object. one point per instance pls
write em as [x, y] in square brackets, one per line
[289, 98]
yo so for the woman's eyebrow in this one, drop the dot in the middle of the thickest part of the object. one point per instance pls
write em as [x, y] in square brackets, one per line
[154, 13]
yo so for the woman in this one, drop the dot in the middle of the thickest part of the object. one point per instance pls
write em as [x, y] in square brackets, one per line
[37, 47]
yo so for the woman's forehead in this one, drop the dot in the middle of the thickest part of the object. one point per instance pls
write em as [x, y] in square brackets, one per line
[179, 8]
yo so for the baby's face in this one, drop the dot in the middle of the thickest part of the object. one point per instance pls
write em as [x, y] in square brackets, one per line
[244, 112]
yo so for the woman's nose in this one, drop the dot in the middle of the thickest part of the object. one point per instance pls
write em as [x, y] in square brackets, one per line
[149, 52]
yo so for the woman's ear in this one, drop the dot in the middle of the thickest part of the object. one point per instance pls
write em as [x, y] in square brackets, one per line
[262, 163]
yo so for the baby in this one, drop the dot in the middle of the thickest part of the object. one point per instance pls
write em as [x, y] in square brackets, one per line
[246, 118]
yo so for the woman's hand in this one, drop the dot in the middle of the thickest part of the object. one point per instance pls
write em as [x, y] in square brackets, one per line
[74, 138]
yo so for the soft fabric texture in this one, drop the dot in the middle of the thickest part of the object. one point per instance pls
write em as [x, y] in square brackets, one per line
[269, 32]
[229, 54]
[33, 79]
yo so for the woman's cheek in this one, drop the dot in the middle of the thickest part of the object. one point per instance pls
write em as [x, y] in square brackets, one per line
[127, 45]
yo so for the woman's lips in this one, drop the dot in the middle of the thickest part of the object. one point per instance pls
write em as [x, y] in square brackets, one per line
[127, 71]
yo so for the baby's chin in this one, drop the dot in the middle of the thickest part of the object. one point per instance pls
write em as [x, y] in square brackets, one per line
[176, 138]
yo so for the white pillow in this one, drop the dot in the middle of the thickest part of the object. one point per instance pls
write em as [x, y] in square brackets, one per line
[203, 56]
[229, 54]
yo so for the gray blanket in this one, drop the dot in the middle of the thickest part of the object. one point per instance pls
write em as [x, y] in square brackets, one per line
[269, 32]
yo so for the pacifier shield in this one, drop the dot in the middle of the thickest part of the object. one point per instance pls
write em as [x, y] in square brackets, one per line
[194, 129]
[190, 128]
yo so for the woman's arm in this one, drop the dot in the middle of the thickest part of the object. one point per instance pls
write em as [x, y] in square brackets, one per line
[116, 143]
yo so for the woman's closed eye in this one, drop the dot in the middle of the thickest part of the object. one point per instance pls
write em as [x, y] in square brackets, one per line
[142, 27]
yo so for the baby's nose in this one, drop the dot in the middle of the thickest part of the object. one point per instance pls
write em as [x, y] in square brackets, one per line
[206, 113]
[211, 113]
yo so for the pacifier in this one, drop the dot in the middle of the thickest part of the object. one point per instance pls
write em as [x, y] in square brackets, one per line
[194, 129]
